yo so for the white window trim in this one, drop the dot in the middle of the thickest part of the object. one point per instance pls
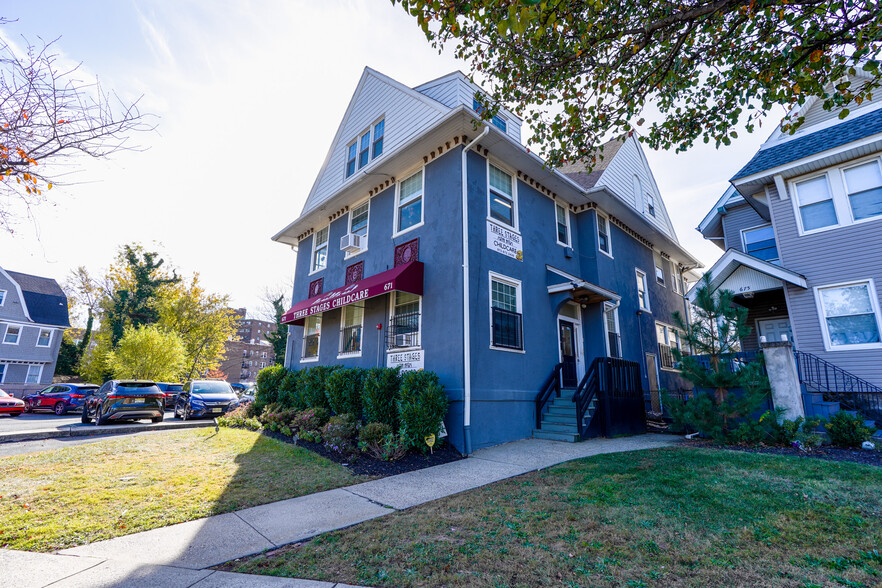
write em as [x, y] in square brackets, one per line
[656, 260]
[395, 231]
[669, 331]
[39, 374]
[567, 223]
[419, 324]
[3, 295]
[518, 301]
[312, 269]
[762, 226]
[341, 354]
[618, 331]
[370, 130]
[608, 234]
[640, 274]
[822, 316]
[51, 336]
[349, 228]
[676, 278]
[6, 330]
[514, 198]
[318, 352]
[839, 193]
[3, 373]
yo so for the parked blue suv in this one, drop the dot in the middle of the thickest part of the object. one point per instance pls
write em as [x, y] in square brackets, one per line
[59, 398]
[205, 398]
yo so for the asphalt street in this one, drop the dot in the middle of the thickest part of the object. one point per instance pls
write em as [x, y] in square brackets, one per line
[48, 420]
[20, 447]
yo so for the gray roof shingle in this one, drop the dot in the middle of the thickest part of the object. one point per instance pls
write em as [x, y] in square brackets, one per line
[835, 136]
[46, 301]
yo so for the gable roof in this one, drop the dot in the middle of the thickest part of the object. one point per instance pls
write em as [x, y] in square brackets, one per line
[578, 171]
[711, 225]
[732, 260]
[44, 299]
[821, 140]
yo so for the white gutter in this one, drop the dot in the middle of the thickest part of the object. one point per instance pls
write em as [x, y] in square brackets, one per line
[466, 331]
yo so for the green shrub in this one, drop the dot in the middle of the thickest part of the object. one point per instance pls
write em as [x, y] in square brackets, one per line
[311, 419]
[848, 430]
[289, 395]
[269, 380]
[422, 405]
[311, 386]
[343, 387]
[275, 416]
[718, 419]
[239, 418]
[380, 396]
[339, 433]
[372, 433]
[390, 448]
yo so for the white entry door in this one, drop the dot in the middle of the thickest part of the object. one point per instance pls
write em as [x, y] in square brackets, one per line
[772, 329]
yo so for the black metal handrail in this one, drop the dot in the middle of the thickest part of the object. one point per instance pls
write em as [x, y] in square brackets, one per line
[608, 377]
[585, 393]
[838, 385]
[549, 387]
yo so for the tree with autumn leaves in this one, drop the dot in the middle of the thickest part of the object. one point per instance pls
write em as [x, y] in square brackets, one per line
[144, 308]
[47, 115]
[579, 71]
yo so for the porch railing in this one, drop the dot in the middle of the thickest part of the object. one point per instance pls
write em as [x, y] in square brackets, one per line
[838, 385]
[734, 361]
[550, 389]
[618, 389]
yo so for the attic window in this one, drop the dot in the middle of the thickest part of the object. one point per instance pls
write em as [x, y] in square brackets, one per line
[368, 145]
[497, 120]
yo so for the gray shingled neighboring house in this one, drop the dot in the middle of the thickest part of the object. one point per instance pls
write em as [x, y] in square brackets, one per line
[33, 316]
[801, 227]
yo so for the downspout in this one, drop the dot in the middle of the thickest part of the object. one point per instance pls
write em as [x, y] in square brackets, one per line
[466, 331]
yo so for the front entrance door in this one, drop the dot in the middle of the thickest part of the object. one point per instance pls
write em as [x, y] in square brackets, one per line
[772, 329]
[652, 372]
[567, 334]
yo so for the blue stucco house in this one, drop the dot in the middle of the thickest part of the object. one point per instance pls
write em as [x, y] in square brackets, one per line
[431, 241]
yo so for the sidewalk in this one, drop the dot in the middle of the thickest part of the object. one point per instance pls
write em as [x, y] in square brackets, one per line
[178, 555]
[81, 430]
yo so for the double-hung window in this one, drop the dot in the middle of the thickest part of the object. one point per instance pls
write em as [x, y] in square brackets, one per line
[35, 372]
[505, 313]
[497, 120]
[2, 372]
[863, 185]
[2, 297]
[849, 315]
[562, 216]
[659, 269]
[45, 338]
[642, 291]
[409, 210]
[675, 277]
[320, 249]
[668, 340]
[13, 332]
[760, 242]
[502, 197]
[351, 331]
[815, 203]
[650, 203]
[358, 225]
[613, 337]
[367, 146]
[404, 326]
[312, 332]
[603, 236]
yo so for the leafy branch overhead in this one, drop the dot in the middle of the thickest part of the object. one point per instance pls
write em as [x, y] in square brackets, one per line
[579, 71]
[47, 115]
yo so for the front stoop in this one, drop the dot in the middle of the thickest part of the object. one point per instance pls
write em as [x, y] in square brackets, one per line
[559, 421]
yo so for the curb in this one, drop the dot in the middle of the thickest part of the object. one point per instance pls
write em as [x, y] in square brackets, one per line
[89, 431]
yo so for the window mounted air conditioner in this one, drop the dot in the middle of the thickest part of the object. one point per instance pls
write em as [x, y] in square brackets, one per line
[350, 242]
[406, 340]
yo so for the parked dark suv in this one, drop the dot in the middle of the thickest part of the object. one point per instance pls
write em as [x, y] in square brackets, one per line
[59, 398]
[171, 392]
[119, 400]
[205, 398]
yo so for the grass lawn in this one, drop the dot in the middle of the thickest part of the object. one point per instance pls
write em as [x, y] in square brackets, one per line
[667, 517]
[77, 495]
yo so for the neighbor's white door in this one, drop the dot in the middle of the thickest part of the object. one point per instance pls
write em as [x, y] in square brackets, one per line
[772, 329]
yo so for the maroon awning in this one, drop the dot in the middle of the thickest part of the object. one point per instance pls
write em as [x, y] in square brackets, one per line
[404, 278]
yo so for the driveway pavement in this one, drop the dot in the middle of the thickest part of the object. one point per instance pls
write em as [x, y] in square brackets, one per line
[181, 555]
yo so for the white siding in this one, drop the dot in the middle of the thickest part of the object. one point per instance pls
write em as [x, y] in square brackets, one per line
[745, 279]
[445, 91]
[736, 220]
[619, 178]
[406, 114]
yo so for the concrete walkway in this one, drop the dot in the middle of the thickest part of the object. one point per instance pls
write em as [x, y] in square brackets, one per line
[178, 555]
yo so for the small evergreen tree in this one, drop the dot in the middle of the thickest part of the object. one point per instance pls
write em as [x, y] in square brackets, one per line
[279, 338]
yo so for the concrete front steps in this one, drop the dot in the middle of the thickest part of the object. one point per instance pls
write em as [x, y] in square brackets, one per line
[559, 420]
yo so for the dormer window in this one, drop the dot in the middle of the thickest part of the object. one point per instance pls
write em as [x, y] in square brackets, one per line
[365, 148]
[497, 120]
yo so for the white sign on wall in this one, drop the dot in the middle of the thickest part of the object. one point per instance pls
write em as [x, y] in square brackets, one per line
[504, 241]
[408, 361]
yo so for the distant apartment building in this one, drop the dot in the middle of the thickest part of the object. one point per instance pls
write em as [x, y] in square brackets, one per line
[249, 351]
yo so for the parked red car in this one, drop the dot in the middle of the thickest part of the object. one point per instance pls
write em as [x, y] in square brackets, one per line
[9, 405]
[59, 398]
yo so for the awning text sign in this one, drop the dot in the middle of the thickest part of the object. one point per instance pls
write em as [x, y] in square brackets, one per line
[501, 240]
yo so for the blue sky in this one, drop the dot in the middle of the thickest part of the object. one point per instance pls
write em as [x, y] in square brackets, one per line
[248, 96]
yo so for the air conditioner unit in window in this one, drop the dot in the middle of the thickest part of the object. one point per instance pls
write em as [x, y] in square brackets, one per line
[406, 340]
[350, 242]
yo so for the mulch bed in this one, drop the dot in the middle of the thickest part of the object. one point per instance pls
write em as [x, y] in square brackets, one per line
[871, 457]
[365, 465]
